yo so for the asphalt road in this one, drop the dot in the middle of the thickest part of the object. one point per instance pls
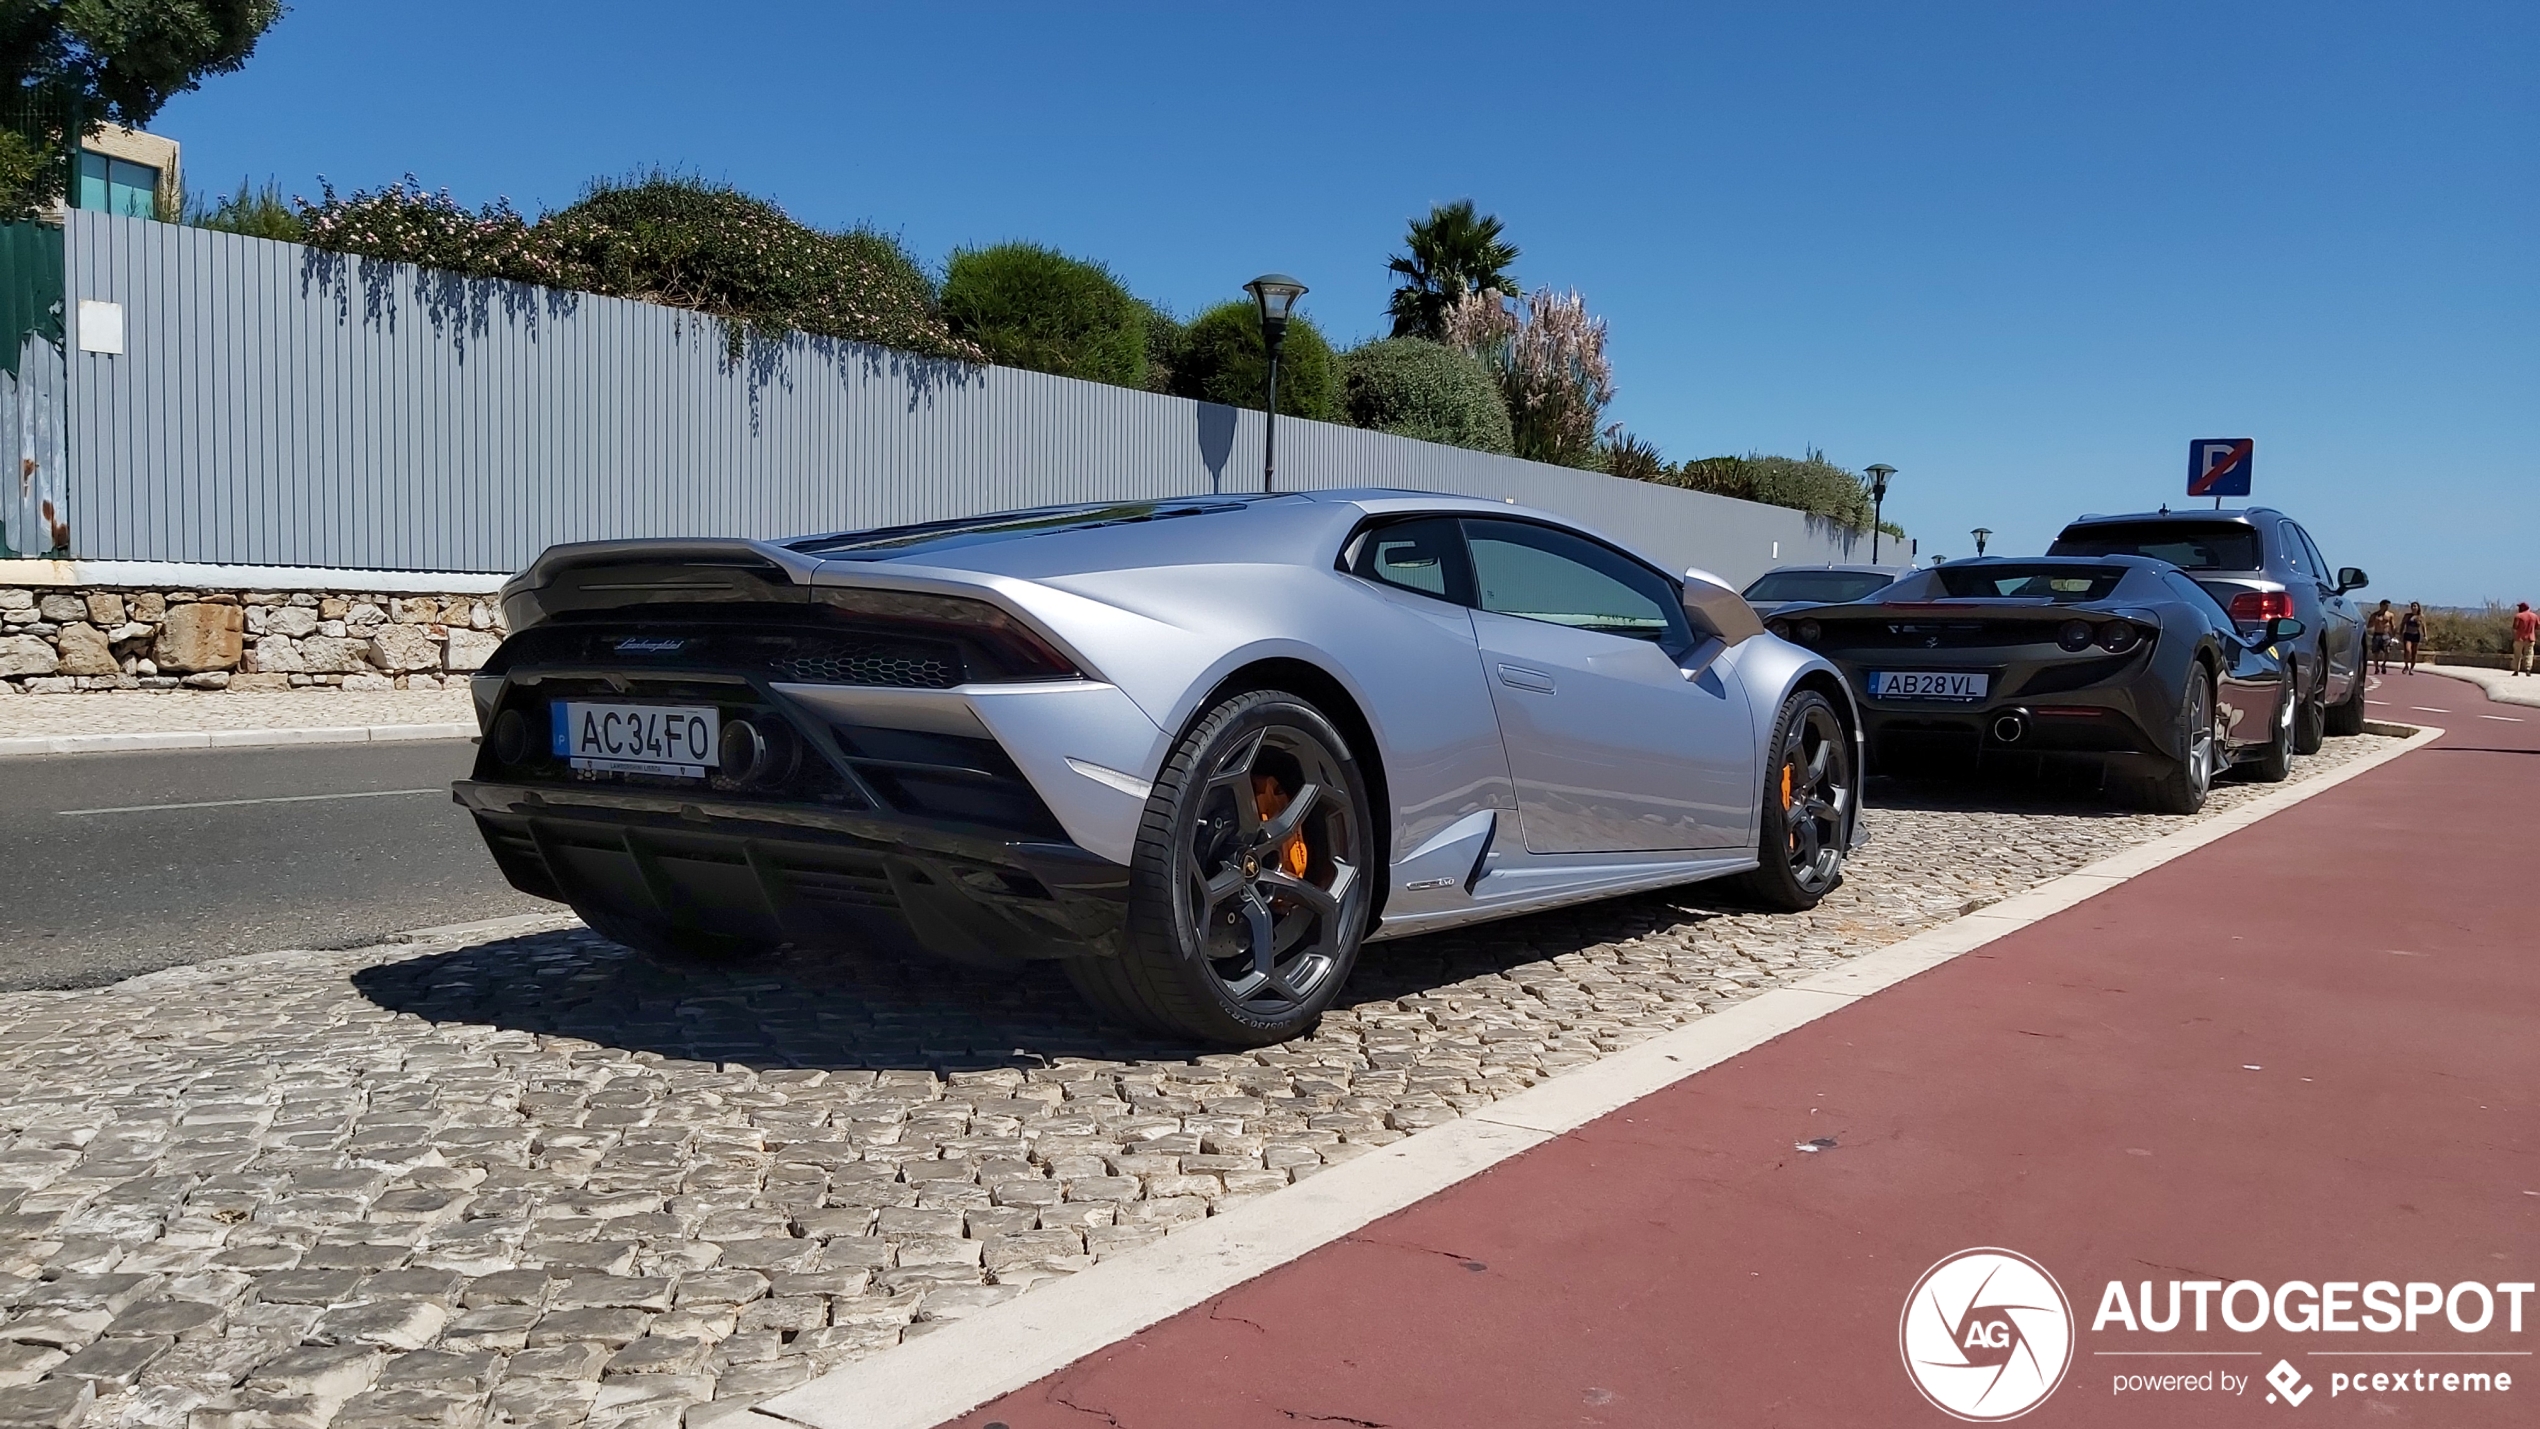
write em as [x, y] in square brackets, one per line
[110, 873]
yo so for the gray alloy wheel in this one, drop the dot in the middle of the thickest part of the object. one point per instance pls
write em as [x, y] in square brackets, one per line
[1808, 792]
[2346, 717]
[2274, 763]
[1250, 887]
[2310, 722]
[2180, 788]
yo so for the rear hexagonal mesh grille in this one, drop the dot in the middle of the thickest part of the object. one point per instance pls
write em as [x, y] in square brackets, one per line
[908, 665]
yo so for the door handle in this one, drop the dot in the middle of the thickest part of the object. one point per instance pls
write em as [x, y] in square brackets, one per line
[1518, 677]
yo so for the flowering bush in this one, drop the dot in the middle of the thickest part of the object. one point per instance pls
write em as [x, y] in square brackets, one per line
[660, 239]
[1549, 357]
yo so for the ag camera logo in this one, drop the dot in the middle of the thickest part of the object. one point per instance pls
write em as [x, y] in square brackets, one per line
[1987, 1334]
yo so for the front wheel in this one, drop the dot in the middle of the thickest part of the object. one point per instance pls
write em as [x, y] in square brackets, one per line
[1809, 790]
[2179, 787]
[1249, 887]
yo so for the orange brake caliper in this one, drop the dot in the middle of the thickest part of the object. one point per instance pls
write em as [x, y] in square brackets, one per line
[1272, 801]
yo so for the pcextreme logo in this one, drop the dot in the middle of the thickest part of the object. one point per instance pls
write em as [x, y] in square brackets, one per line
[1987, 1335]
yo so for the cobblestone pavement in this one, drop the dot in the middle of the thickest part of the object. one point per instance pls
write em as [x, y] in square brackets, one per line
[536, 1181]
[154, 711]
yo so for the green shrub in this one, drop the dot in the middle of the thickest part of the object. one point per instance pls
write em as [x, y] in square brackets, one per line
[255, 212]
[1631, 458]
[1166, 338]
[1419, 389]
[1223, 361]
[1811, 484]
[1036, 308]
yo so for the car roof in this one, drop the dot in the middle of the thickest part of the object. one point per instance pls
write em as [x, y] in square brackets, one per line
[2239, 515]
[1246, 527]
[1864, 570]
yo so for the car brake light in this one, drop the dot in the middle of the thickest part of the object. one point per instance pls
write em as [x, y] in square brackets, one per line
[2256, 607]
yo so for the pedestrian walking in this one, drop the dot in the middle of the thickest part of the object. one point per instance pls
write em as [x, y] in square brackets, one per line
[2411, 634]
[2526, 632]
[2381, 629]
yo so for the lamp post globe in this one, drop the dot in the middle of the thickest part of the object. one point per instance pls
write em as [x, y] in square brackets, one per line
[1879, 472]
[1275, 295]
[1982, 535]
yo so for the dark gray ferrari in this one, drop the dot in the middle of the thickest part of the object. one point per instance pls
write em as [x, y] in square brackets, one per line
[2118, 659]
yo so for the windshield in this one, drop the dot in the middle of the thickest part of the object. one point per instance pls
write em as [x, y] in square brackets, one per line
[2191, 546]
[892, 541]
[2062, 584]
[1822, 587]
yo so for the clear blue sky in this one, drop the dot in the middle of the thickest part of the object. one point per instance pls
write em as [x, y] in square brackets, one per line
[2021, 252]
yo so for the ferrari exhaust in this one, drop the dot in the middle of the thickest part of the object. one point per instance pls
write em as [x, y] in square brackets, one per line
[2010, 728]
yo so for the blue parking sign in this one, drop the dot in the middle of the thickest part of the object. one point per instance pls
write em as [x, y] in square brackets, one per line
[2219, 466]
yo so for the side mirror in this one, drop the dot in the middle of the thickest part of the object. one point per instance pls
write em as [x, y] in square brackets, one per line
[2351, 578]
[1718, 610]
[2283, 628]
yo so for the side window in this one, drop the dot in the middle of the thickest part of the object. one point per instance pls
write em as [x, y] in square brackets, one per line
[1424, 555]
[2319, 563]
[2294, 555]
[1539, 573]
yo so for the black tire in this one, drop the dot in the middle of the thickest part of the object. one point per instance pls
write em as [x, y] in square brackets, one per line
[2181, 785]
[2310, 718]
[2346, 717]
[2272, 763]
[1225, 943]
[1809, 789]
[670, 947]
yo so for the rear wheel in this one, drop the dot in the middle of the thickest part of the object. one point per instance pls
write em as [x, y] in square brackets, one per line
[2310, 720]
[1249, 887]
[2346, 717]
[1808, 794]
[2180, 786]
[2273, 764]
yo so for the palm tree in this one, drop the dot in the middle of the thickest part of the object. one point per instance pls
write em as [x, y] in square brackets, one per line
[1454, 251]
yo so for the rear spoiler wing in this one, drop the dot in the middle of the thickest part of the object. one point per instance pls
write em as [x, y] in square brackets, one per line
[609, 575]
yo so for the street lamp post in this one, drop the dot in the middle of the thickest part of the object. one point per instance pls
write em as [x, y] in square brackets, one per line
[1982, 535]
[1275, 294]
[1879, 473]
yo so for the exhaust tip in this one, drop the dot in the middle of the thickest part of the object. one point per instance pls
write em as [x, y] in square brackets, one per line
[2009, 729]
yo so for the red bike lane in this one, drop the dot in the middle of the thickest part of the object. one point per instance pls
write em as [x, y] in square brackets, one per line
[2304, 1053]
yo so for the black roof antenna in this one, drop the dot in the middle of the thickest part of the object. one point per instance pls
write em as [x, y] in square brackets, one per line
[2165, 508]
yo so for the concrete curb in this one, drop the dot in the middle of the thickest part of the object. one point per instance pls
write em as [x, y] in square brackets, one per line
[2502, 686]
[1001, 1349]
[23, 745]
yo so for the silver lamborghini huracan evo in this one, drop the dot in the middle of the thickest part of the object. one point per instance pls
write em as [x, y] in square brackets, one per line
[1202, 750]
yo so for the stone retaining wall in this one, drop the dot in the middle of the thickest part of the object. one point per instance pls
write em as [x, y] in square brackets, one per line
[64, 640]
